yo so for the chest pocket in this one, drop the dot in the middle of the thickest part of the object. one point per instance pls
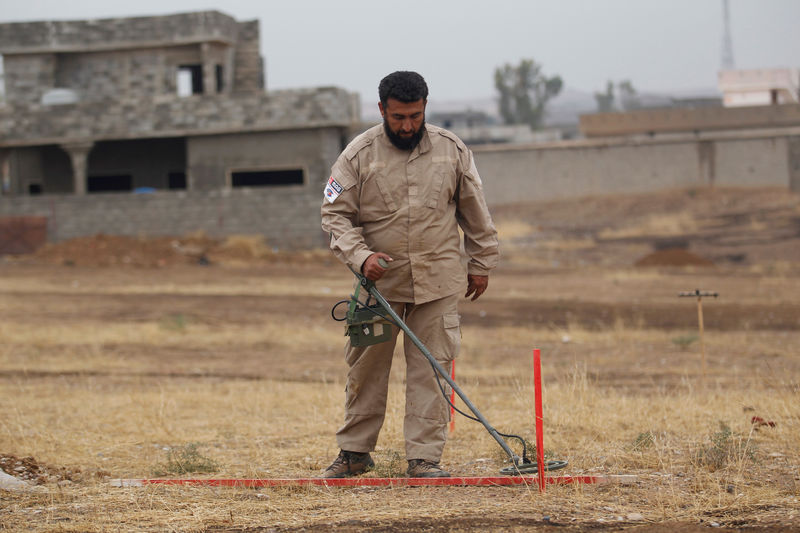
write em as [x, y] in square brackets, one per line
[442, 187]
[377, 199]
[385, 191]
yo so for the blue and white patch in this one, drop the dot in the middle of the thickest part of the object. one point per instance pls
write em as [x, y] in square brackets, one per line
[332, 190]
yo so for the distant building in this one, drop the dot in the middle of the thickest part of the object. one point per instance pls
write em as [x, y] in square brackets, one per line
[758, 99]
[166, 104]
[759, 86]
[478, 127]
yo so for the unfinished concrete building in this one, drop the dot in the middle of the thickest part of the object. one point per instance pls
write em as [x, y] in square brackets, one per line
[161, 126]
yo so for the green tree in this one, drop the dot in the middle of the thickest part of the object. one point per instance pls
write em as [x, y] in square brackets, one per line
[524, 92]
[628, 97]
[605, 101]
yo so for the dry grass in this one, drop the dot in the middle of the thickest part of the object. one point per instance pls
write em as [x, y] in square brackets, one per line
[238, 372]
[661, 225]
[103, 399]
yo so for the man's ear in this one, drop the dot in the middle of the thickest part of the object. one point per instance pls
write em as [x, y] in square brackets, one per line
[380, 108]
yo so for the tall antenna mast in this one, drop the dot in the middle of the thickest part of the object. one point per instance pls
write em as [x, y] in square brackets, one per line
[727, 41]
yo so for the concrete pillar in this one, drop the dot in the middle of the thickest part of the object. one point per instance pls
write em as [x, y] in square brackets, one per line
[209, 73]
[79, 155]
[794, 164]
[229, 65]
[5, 172]
[707, 162]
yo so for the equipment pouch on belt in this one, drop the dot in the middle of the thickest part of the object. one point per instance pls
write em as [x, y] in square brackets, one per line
[366, 324]
[365, 327]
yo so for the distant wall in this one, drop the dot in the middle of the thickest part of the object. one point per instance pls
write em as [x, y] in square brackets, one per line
[212, 158]
[611, 166]
[288, 217]
[652, 121]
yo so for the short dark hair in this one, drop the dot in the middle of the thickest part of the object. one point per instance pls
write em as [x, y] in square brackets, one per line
[403, 85]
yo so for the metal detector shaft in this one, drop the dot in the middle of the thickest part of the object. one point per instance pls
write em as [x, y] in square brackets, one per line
[442, 372]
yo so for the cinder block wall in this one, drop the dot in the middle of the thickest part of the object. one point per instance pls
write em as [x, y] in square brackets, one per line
[569, 169]
[288, 218]
[124, 59]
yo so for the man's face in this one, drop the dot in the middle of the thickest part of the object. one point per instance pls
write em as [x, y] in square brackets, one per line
[403, 122]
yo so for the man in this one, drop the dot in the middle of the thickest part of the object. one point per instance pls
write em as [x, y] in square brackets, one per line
[399, 192]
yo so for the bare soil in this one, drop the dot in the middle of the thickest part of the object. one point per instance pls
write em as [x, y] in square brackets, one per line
[595, 264]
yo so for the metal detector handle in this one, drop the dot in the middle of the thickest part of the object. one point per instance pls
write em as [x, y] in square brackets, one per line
[364, 280]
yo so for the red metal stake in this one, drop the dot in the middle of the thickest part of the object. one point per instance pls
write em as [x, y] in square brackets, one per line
[537, 388]
[453, 399]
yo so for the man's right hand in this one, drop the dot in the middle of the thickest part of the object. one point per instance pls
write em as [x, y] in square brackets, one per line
[372, 269]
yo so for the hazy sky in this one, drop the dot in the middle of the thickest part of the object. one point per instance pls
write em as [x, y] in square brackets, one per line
[660, 45]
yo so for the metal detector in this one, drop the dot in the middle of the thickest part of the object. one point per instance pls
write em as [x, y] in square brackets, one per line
[364, 321]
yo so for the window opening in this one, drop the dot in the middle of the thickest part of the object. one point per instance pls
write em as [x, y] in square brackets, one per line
[190, 80]
[110, 183]
[176, 180]
[267, 178]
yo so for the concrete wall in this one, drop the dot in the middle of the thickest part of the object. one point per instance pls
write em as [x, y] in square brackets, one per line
[117, 33]
[177, 117]
[127, 60]
[249, 65]
[47, 167]
[28, 77]
[576, 168]
[794, 163]
[654, 121]
[212, 158]
[288, 217]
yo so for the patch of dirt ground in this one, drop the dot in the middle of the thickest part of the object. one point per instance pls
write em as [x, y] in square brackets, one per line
[603, 268]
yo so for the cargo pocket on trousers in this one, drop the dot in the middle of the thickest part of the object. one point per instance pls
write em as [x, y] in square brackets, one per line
[452, 331]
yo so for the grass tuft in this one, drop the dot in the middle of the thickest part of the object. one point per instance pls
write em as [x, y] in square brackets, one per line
[643, 441]
[725, 448]
[389, 463]
[186, 460]
[684, 341]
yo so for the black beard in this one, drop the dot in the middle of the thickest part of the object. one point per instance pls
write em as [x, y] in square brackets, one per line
[404, 143]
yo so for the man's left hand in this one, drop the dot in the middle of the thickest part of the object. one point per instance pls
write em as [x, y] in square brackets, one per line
[476, 284]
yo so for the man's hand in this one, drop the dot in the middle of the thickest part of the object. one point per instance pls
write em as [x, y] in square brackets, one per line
[372, 269]
[476, 284]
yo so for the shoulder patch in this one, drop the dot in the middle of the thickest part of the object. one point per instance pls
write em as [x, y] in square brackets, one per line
[332, 190]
